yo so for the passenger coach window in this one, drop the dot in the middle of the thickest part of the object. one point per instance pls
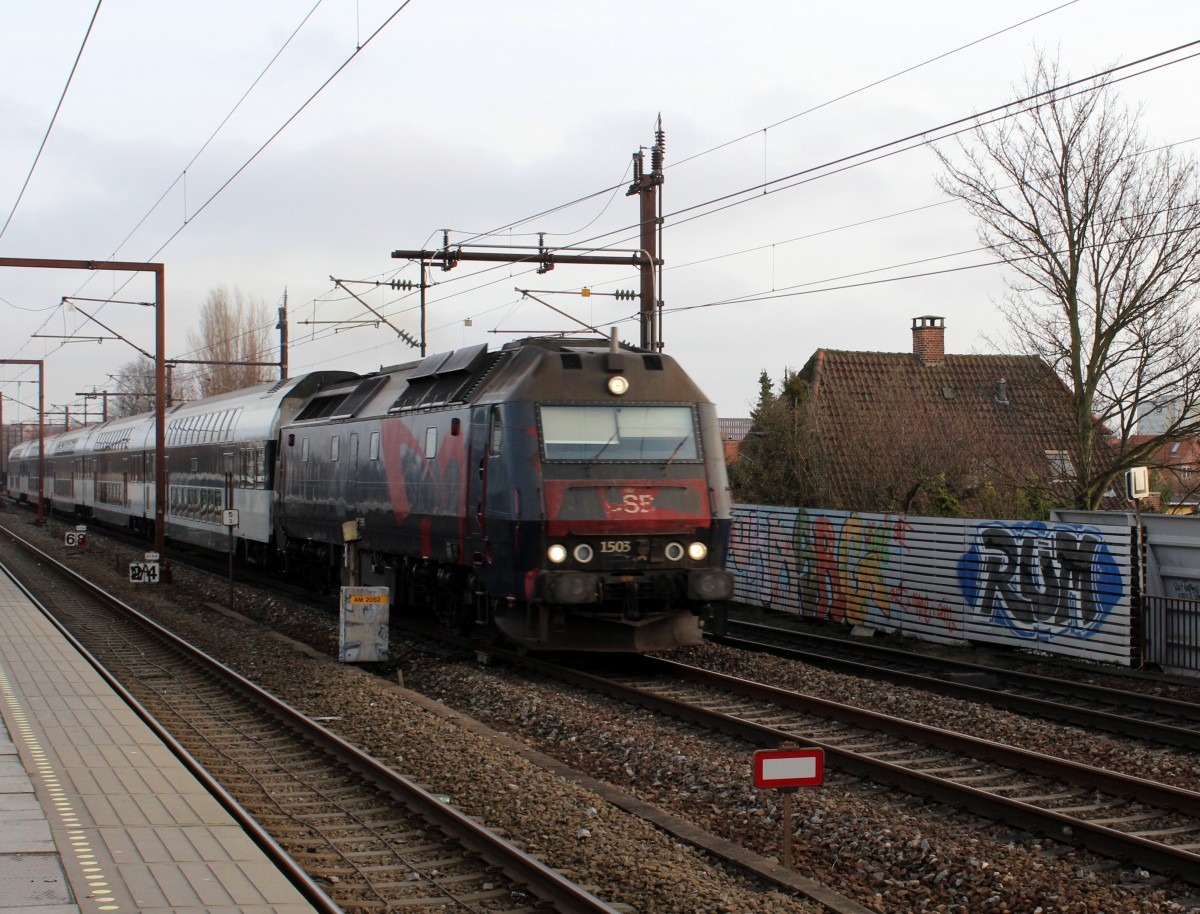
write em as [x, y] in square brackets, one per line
[657, 433]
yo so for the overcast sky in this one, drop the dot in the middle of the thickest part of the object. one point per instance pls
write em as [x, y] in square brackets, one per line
[477, 114]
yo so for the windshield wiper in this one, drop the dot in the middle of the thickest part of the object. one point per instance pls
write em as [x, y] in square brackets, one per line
[604, 447]
[682, 441]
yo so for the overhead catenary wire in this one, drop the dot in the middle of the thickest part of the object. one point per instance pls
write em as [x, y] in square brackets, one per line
[892, 147]
[221, 126]
[871, 85]
[791, 117]
[358, 49]
[1009, 109]
[53, 118]
[610, 190]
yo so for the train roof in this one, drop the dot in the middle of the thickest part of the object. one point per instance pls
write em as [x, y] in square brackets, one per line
[538, 368]
[250, 414]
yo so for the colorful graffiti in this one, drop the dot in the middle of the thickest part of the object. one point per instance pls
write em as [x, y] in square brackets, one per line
[1064, 587]
[841, 569]
[758, 536]
[1041, 581]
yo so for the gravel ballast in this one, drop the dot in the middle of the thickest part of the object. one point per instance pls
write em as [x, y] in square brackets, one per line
[888, 851]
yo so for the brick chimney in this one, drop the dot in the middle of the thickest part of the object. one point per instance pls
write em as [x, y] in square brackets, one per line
[929, 339]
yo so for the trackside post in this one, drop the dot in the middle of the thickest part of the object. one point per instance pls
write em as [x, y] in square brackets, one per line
[785, 769]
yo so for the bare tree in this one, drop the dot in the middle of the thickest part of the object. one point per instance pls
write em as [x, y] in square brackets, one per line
[135, 387]
[1102, 235]
[232, 330]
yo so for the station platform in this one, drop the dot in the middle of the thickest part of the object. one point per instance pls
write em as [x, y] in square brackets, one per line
[96, 813]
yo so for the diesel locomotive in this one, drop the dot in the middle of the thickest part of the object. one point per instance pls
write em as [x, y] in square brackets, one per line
[570, 494]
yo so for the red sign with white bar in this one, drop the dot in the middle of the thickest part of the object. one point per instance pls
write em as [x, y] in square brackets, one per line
[789, 767]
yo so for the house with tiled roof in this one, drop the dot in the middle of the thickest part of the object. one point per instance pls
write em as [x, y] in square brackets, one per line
[930, 432]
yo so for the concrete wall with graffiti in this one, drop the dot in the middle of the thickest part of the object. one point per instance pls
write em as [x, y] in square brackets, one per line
[1057, 587]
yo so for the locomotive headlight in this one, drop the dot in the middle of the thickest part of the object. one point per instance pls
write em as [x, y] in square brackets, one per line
[673, 552]
[557, 554]
[584, 553]
[697, 551]
[617, 385]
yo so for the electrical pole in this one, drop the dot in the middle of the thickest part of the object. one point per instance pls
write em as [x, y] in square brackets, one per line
[646, 186]
[282, 327]
[646, 258]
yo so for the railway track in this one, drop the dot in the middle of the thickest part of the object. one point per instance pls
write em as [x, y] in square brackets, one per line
[1166, 721]
[371, 839]
[1152, 825]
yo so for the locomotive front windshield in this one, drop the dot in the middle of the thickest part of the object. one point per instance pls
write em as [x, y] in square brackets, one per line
[619, 433]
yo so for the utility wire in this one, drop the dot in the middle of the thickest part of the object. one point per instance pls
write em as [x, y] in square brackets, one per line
[894, 147]
[872, 85]
[1001, 112]
[53, 118]
[261, 148]
[1009, 109]
[785, 120]
[612, 189]
[218, 129]
[321, 88]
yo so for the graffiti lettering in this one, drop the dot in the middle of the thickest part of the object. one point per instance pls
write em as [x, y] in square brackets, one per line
[1186, 590]
[842, 571]
[1040, 581]
[756, 557]
[924, 608]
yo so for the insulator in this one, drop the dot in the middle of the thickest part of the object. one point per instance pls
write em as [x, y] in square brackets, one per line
[660, 150]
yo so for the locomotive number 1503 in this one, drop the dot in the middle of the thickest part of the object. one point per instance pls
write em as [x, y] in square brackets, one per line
[614, 547]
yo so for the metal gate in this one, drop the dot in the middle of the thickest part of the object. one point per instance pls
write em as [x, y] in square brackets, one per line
[1172, 633]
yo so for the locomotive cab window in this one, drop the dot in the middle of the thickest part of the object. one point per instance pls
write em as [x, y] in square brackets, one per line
[374, 445]
[619, 433]
[431, 442]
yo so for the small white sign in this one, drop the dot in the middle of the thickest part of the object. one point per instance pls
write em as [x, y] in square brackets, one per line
[788, 767]
[229, 517]
[81, 528]
[151, 556]
[143, 572]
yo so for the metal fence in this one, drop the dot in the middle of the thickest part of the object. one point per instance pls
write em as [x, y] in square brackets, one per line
[1172, 633]
[1063, 588]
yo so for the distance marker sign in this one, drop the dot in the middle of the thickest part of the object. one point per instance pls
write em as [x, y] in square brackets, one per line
[789, 767]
